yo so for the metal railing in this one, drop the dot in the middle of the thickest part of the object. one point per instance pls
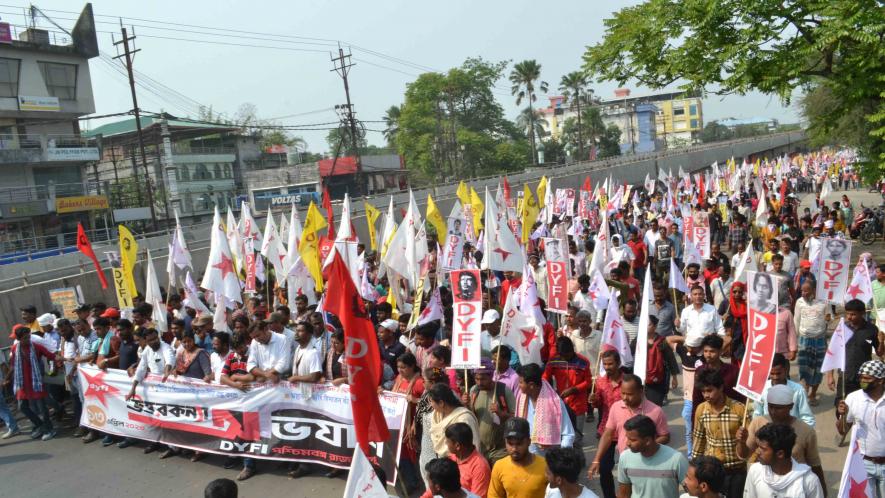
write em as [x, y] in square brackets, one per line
[186, 148]
[16, 141]
[33, 247]
[42, 192]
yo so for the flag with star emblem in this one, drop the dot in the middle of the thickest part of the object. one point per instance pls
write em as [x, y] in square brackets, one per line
[520, 332]
[854, 482]
[835, 357]
[502, 251]
[861, 286]
[272, 247]
[614, 336]
[220, 276]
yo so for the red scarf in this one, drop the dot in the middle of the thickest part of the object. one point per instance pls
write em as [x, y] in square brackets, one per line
[738, 309]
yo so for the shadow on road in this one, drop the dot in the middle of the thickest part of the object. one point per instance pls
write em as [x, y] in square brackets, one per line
[24, 457]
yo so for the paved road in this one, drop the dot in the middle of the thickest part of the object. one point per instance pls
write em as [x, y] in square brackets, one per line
[66, 467]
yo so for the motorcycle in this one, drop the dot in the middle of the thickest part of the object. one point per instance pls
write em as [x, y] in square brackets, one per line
[869, 225]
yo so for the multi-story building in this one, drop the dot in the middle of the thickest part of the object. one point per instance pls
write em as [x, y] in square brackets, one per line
[192, 167]
[647, 122]
[45, 86]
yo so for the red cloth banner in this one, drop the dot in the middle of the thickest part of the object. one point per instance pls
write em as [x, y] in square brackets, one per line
[467, 318]
[250, 265]
[361, 353]
[84, 246]
[760, 342]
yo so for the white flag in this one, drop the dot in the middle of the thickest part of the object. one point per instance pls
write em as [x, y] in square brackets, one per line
[220, 276]
[835, 357]
[613, 334]
[362, 482]
[860, 287]
[598, 290]
[272, 247]
[855, 482]
[235, 241]
[192, 296]
[520, 332]
[154, 297]
[676, 280]
[502, 252]
[528, 297]
[641, 361]
[433, 310]
[747, 263]
[248, 225]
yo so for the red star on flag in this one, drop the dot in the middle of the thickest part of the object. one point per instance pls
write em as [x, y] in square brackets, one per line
[502, 252]
[854, 291]
[97, 387]
[529, 335]
[226, 266]
[857, 489]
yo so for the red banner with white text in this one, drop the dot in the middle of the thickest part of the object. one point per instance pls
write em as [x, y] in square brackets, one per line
[762, 331]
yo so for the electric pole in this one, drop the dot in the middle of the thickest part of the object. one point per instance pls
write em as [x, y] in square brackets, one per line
[342, 67]
[127, 54]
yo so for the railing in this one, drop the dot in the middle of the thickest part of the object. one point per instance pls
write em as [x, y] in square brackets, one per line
[185, 148]
[16, 141]
[42, 192]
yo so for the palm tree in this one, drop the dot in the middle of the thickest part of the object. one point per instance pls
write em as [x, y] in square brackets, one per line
[391, 124]
[532, 122]
[574, 88]
[523, 78]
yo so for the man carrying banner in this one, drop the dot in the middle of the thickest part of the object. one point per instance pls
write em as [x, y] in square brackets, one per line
[864, 337]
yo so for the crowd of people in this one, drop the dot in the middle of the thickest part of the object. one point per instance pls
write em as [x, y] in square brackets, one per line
[508, 429]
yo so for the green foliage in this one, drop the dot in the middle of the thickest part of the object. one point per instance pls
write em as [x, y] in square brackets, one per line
[737, 46]
[525, 86]
[340, 141]
[592, 132]
[450, 125]
[391, 124]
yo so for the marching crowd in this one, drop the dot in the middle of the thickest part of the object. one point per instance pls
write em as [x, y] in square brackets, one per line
[516, 429]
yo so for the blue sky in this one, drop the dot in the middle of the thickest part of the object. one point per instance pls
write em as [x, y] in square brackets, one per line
[289, 74]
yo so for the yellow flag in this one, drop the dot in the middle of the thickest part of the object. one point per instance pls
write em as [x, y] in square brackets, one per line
[478, 211]
[530, 211]
[463, 194]
[309, 248]
[128, 257]
[372, 215]
[391, 298]
[542, 191]
[435, 218]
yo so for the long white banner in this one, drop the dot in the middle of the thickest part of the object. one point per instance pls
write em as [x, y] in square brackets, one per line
[295, 422]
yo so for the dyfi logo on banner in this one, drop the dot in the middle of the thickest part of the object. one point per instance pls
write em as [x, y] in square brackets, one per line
[756, 364]
[467, 318]
[557, 275]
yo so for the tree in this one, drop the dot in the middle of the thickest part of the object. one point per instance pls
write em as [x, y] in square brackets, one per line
[573, 87]
[451, 126]
[391, 124]
[341, 143]
[596, 134]
[609, 142]
[554, 151]
[715, 132]
[736, 46]
[523, 78]
[532, 122]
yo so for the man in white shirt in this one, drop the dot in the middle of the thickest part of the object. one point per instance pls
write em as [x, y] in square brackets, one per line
[277, 324]
[491, 327]
[270, 354]
[866, 408]
[158, 358]
[700, 319]
[306, 370]
[776, 473]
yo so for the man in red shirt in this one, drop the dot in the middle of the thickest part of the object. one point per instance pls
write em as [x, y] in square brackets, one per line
[473, 469]
[512, 280]
[634, 288]
[607, 392]
[640, 254]
[27, 382]
[569, 373]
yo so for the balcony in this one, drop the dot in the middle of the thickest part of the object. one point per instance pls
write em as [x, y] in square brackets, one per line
[13, 195]
[17, 149]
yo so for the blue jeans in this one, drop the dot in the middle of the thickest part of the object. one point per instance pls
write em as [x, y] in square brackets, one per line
[28, 406]
[249, 463]
[876, 474]
[76, 399]
[6, 415]
[686, 416]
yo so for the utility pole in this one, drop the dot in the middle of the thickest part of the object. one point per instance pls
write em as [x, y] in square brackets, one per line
[342, 67]
[127, 54]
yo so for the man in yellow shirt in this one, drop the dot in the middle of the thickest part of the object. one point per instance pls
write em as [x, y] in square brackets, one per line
[523, 474]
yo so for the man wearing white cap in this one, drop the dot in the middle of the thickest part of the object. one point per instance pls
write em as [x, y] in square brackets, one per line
[491, 327]
[779, 400]
[780, 368]
[391, 349]
[866, 408]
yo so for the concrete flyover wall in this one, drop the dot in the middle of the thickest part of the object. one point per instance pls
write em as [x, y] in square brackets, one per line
[29, 283]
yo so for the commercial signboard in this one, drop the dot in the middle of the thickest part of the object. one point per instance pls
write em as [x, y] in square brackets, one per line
[72, 154]
[30, 103]
[24, 209]
[65, 300]
[80, 203]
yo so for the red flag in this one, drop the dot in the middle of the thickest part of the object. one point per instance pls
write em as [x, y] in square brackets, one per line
[327, 205]
[587, 185]
[783, 190]
[86, 248]
[506, 186]
[363, 356]
[702, 192]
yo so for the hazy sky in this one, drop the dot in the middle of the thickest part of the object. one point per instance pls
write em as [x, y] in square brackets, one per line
[290, 74]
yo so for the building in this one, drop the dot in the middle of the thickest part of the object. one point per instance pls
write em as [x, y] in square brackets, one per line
[677, 118]
[45, 86]
[770, 124]
[192, 166]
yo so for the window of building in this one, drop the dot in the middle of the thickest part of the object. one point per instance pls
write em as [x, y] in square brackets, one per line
[679, 125]
[202, 172]
[694, 123]
[678, 111]
[185, 173]
[227, 171]
[9, 77]
[693, 110]
[60, 79]
[217, 170]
